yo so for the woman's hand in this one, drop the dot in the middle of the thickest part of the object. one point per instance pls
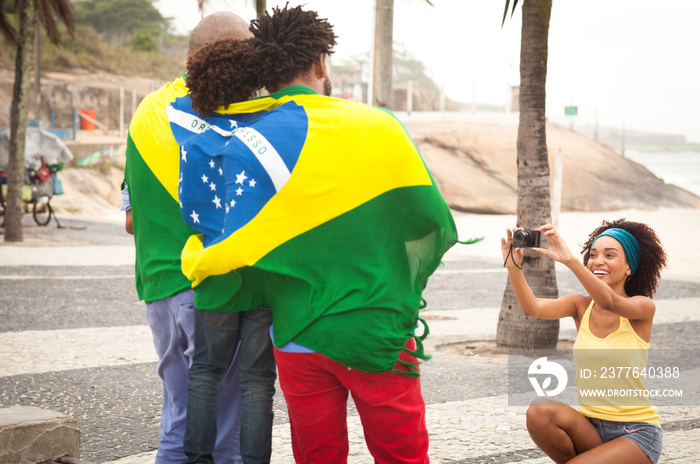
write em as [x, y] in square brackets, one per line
[558, 249]
[512, 258]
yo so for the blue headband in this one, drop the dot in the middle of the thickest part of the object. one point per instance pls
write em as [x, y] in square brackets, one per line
[628, 242]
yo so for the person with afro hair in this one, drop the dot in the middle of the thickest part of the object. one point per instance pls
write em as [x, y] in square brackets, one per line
[622, 263]
[217, 77]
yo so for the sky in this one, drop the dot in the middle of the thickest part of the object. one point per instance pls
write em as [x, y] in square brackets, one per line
[623, 63]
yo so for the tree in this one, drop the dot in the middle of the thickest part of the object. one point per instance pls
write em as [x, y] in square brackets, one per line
[260, 6]
[383, 52]
[515, 330]
[143, 42]
[118, 20]
[28, 11]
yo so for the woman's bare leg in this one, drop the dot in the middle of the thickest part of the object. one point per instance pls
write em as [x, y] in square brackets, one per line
[560, 431]
[618, 451]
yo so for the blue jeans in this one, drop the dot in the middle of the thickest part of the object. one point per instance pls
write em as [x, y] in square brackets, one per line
[172, 324]
[216, 336]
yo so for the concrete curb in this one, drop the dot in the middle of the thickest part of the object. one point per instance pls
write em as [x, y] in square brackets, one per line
[29, 435]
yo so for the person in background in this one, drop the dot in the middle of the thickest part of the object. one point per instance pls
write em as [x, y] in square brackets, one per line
[153, 216]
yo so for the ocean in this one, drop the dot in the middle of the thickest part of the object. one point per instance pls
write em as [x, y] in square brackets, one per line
[681, 168]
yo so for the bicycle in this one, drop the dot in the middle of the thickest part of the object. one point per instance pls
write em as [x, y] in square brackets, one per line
[39, 188]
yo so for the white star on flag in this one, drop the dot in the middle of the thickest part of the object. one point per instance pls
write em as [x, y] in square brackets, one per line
[239, 191]
[184, 154]
[240, 178]
[205, 179]
[233, 203]
[212, 186]
[211, 164]
[217, 202]
[226, 208]
[195, 217]
[233, 124]
[252, 183]
[221, 172]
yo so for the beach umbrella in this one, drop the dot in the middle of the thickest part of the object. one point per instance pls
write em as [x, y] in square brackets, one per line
[40, 143]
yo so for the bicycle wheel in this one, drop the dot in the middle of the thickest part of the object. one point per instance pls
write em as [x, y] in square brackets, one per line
[42, 213]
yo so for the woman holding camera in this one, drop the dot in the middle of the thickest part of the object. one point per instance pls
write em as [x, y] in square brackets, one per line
[622, 262]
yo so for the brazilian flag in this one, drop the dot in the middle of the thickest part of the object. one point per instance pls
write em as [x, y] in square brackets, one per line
[151, 173]
[319, 208]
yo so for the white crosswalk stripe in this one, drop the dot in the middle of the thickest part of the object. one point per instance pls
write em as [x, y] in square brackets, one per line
[37, 351]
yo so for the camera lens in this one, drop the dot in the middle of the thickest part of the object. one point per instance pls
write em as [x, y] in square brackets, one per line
[521, 236]
[526, 238]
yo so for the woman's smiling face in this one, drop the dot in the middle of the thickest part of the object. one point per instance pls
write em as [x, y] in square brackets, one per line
[608, 261]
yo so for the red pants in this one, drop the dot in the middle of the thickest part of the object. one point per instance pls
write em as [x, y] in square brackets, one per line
[390, 406]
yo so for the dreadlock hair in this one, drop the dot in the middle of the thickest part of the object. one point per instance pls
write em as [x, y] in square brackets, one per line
[286, 44]
[651, 261]
[217, 76]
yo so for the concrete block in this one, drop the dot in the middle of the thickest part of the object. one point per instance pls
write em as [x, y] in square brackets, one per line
[29, 435]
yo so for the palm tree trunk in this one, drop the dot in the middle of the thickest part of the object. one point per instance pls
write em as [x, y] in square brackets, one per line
[260, 6]
[18, 125]
[383, 53]
[37, 69]
[516, 330]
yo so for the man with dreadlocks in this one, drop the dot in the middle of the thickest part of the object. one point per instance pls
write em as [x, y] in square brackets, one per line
[326, 213]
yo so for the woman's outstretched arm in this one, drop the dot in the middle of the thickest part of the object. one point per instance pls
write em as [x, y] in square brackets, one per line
[531, 305]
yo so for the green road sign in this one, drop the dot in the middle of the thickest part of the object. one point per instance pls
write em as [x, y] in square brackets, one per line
[570, 110]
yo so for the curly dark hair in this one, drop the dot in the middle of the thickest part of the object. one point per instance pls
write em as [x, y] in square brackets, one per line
[217, 76]
[286, 44]
[652, 260]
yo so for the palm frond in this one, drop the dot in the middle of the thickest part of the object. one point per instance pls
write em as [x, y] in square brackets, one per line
[505, 12]
[63, 9]
[6, 28]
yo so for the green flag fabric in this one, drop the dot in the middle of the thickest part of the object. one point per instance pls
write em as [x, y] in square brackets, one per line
[319, 208]
[151, 174]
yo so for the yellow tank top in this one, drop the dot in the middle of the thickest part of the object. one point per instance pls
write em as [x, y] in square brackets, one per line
[608, 382]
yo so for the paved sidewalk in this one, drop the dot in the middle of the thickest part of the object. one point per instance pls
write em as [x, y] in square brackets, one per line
[58, 272]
